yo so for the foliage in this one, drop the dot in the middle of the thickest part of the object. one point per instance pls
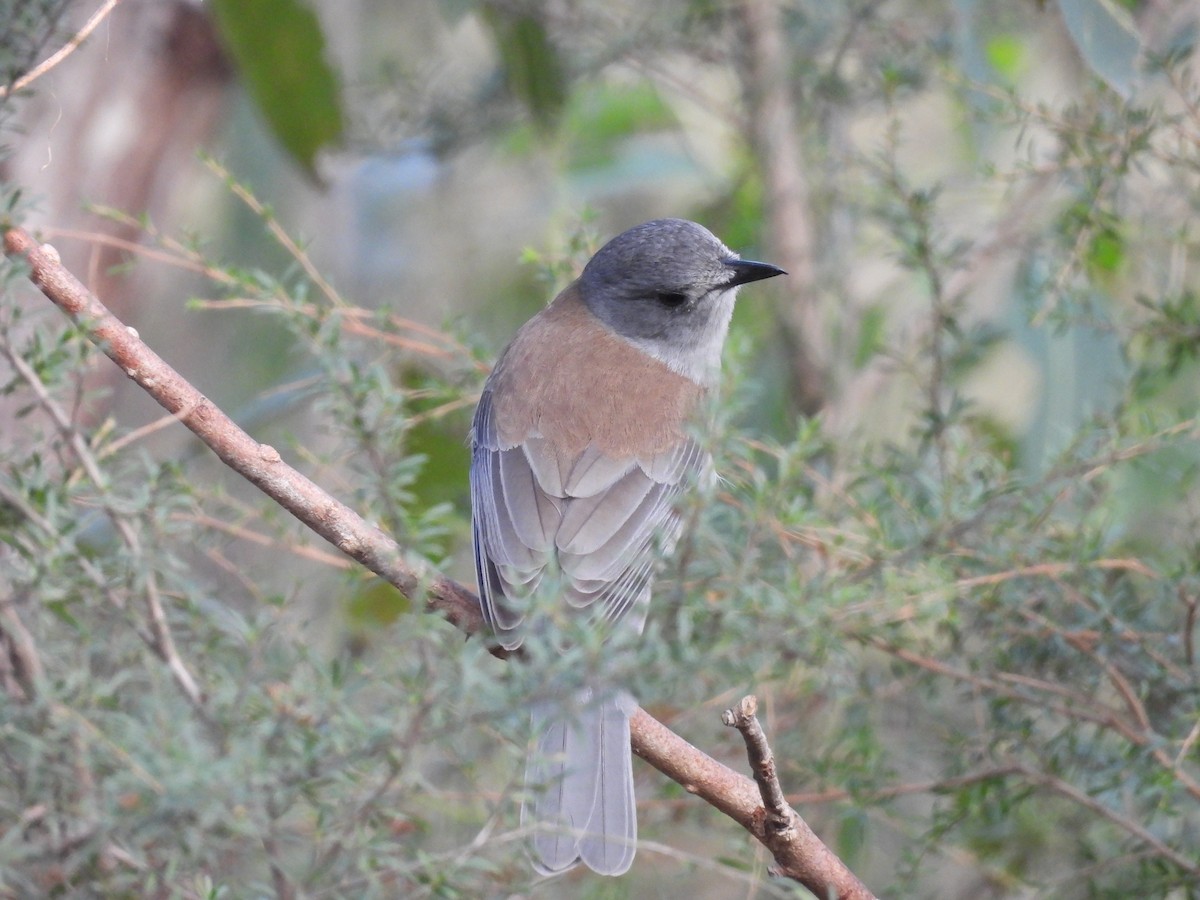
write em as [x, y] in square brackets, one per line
[279, 49]
[30, 26]
[972, 629]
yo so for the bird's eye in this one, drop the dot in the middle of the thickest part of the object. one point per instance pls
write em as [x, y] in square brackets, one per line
[671, 299]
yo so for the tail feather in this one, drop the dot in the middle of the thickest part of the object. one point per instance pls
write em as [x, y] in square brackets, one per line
[611, 835]
[579, 782]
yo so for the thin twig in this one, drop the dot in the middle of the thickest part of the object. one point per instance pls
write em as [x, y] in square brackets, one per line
[264, 540]
[800, 855]
[352, 318]
[63, 52]
[744, 717]
[173, 254]
[1189, 626]
[1185, 749]
[110, 745]
[1074, 794]
[20, 651]
[260, 464]
[1075, 705]
[277, 230]
[937, 786]
[355, 318]
[905, 789]
[162, 641]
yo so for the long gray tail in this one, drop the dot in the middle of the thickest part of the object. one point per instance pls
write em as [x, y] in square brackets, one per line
[579, 786]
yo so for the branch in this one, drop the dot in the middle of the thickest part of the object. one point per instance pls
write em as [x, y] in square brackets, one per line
[799, 853]
[159, 638]
[744, 717]
[63, 52]
[20, 663]
[259, 463]
[1135, 828]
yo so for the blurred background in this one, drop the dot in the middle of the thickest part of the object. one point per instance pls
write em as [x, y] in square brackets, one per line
[955, 553]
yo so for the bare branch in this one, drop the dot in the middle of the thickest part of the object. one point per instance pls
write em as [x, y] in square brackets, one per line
[258, 463]
[744, 717]
[799, 854]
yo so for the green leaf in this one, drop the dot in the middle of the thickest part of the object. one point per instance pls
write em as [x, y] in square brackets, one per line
[1106, 252]
[1006, 55]
[533, 68]
[870, 335]
[278, 48]
[1107, 39]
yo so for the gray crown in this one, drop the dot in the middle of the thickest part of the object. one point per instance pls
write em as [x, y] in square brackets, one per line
[668, 286]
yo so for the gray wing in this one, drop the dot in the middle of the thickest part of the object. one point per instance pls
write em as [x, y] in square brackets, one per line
[592, 520]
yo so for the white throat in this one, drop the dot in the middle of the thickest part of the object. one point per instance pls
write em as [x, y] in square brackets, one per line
[695, 354]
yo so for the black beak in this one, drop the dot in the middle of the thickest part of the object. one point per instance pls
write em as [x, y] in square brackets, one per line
[746, 270]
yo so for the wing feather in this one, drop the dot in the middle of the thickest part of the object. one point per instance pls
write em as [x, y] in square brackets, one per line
[596, 521]
[532, 512]
[593, 472]
[589, 523]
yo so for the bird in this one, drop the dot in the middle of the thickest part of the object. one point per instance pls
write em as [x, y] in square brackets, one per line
[580, 450]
